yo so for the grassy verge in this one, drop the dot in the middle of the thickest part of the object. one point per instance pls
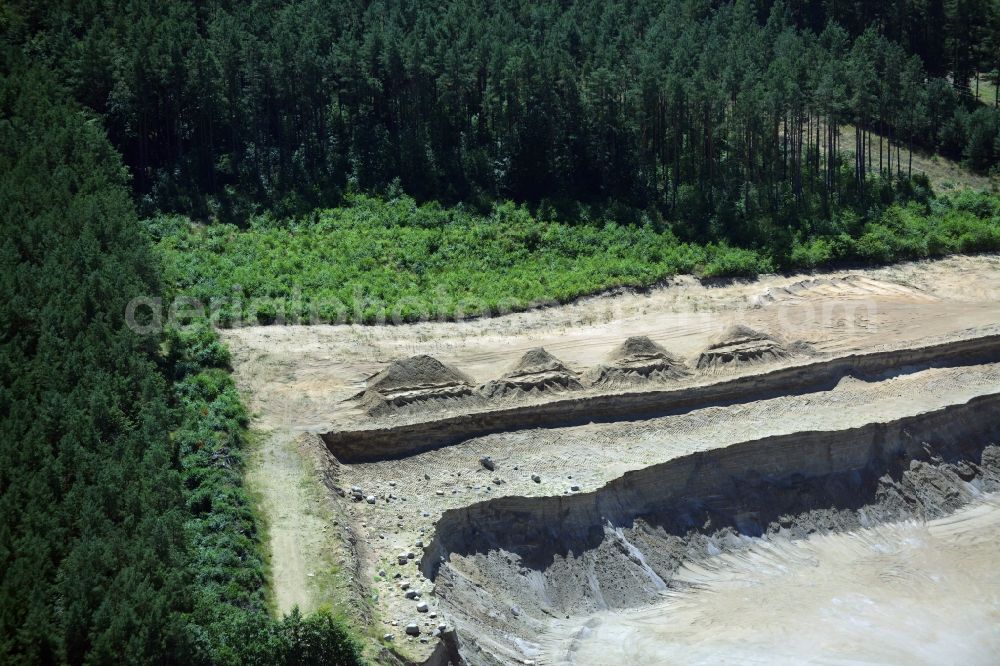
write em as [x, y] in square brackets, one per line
[987, 89]
[945, 175]
[398, 261]
[290, 496]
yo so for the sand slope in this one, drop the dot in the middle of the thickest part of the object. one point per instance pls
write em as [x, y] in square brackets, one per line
[906, 593]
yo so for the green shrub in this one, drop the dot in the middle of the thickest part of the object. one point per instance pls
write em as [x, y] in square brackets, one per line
[728, 261]
[395, 260]
[812, 253]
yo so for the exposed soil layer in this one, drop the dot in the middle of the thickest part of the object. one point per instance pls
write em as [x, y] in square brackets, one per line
[888, 345]
[414, 381]
[301, 377]
[419, 400]
[393, 441]
[850, 286]
[504, 567]
[910, 592]
[413, 492]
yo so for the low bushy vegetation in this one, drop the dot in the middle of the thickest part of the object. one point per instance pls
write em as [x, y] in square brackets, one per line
[962, 224]
[358, 263]
[398, 261]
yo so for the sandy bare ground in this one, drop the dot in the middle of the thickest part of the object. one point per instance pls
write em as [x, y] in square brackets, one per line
[298, 381]
[904, 593]
[302, 554]
[311, 558]
[299, 377]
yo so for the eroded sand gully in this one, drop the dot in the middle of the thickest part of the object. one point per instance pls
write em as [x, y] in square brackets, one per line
[505, 601]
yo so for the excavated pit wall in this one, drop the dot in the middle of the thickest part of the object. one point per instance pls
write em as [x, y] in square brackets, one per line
[503, 567]
[397, 441]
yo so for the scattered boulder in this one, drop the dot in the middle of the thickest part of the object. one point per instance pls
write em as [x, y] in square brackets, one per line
[536, 478]
[413, 629]
[488, 463]
[422, 607]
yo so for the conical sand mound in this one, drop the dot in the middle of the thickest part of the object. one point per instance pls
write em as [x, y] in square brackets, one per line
[635, 347]
[638, 360]
[536, 361]
[536, 372]
[741, 346]
[416, 372]
[414, 381]
[740, 332]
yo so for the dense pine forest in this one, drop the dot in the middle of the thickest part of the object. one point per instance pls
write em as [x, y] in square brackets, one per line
[701, 111]
[321, 148]
[125, 533]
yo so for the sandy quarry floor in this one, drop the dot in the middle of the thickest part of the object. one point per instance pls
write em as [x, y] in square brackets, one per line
[906, 593]
[413, 492]
[298, 380]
